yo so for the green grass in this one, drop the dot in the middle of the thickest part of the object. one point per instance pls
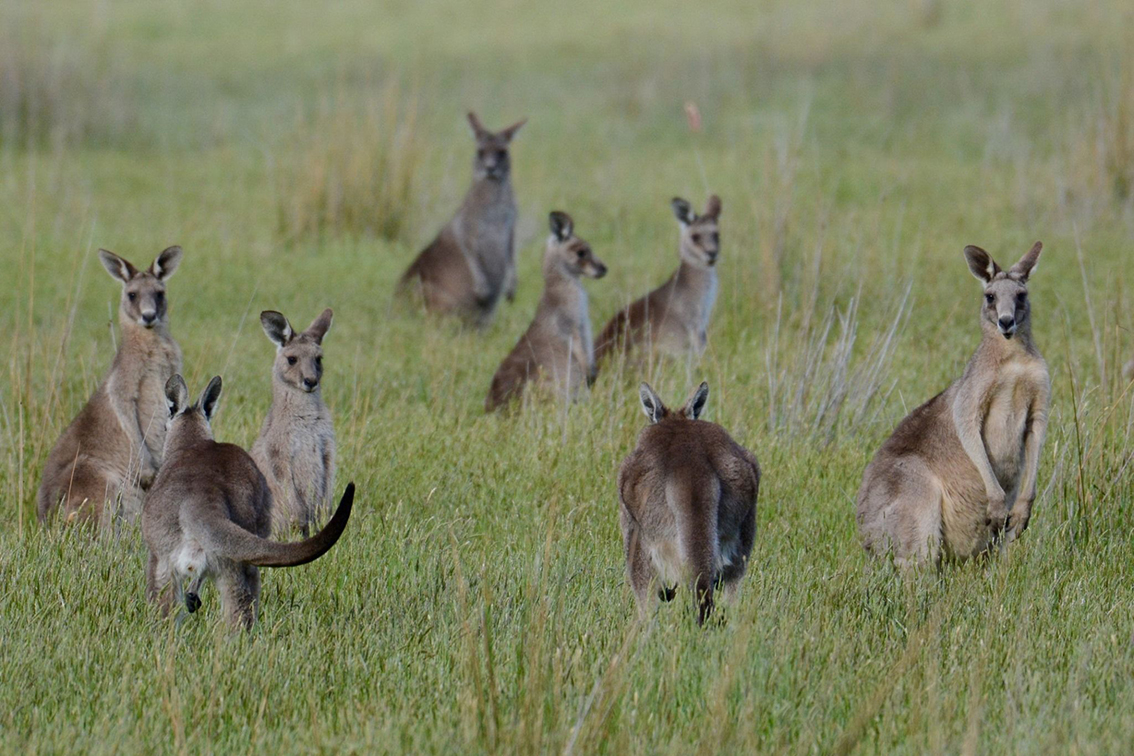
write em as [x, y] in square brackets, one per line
[477, 602]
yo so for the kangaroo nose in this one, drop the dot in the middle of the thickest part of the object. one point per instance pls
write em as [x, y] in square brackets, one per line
[1006, 322]
[149, 317]
[310, 383]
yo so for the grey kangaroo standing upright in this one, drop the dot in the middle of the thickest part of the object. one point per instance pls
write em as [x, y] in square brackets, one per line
[687, 498]
[296, 447]
[472, 262]
[557, 348]
[674, 318]
[959, 472]
[208, 515]
[112, 450]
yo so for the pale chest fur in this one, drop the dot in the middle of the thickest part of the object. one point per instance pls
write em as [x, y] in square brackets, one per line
[296, 449]
[485, 227]
[686, 312]
[144, 375]
[1019, 390]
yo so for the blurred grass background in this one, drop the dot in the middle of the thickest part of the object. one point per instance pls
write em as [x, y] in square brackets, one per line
[302, 155]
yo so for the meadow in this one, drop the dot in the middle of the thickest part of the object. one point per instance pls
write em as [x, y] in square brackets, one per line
[477, 603]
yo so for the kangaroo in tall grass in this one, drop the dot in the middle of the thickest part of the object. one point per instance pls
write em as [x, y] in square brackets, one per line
[557, 348]
[208, 515]
[111, 451]
[959, 472]
[687, 498]
[472, 262]
[674, 318]
[296, 447]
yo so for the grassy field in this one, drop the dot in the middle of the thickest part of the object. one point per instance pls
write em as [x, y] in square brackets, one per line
[477, 602]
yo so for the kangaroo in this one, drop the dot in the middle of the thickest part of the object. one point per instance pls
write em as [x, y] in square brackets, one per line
[112, 449]
[687, 498]
[473, 259]
[942, 484]
[296, 447]
[557, 347]
[208, 515]
[674, 318]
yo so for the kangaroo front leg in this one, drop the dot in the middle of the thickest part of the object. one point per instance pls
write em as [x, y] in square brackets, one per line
[125, 408]
[1021, 512]
[967, 416]
[510, 278]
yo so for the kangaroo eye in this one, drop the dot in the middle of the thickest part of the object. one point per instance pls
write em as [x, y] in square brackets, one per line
[1022, 297]
[581, 253]
[989, 298]
[501, 154]
[291, 360]
[696, 238]
[716, 238]
[319, 361]
[132, 296]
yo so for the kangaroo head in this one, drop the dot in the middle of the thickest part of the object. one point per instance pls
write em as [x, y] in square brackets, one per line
[700, 235]
[143, 292]
[492, 160]
[568, 253]
[299, 356]
[657, 412]
[1005, 308]
[190, 419]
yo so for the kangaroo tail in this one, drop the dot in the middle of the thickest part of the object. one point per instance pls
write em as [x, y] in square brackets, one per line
[695, 508]
[234, 542]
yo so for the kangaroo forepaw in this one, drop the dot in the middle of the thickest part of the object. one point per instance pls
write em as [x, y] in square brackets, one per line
[667, 593]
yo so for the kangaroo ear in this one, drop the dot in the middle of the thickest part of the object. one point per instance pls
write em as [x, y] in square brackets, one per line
[166, 263]
[713, 207]
[277, 327]
[116, 266]
[320, 325]
[209, 397]
[696, 404]
[651, 404]
[981, 263]
[683, 211]
[510, 132]
[561, 225]
[478, 129]
[176, 394]
[1027, 264]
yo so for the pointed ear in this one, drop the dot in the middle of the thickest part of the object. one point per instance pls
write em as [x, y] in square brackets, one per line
[510, 132]
[561, 225]
[713, 207]
[277, 327]
[209, 397]
[683, 211]
[116, 266]
[176, 394]
[478, 129]
[696, 404]
[981, 263]
[1027, 264]
[166, 263]
[320, 325]
[651, 404]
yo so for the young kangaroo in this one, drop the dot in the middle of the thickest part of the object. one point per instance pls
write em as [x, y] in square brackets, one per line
[208, 514]
[943, 483]
[557, 346]
[688, 504]
[473, 259]
[112, 449]
[296, 447]
[674, 317]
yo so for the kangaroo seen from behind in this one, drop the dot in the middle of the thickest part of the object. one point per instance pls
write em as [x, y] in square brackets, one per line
[111, 451]
[208, 515]
[296, 447]
[557, 349]
[687, 498]
[472, 262]
[674, 318]
[959, 472]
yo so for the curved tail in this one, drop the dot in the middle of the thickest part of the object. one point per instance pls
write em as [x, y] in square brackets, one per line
[234, 542]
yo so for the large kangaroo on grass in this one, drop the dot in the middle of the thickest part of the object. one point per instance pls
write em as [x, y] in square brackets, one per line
[687, 498]
[296, 447]
[557, 347]
[674, 318]
[208, 514]
[959, 472]
[473, 259]
[112, 450]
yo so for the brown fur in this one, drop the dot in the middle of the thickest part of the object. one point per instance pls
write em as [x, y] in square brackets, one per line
[687, 498]
[209, 514]
[557, 348]
[112, 449]
[472, 262]
[674, 317]
[959, 473]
